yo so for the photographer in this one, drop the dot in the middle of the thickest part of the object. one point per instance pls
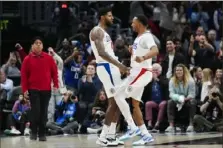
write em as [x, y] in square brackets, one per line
[211, 110]
[65, 112]
[20, 117]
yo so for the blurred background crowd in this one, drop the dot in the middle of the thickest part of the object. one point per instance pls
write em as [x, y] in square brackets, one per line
[186, 93]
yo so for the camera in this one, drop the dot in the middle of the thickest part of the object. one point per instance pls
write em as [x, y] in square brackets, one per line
[214, 94]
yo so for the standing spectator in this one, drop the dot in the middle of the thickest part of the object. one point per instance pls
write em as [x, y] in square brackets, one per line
[212, 36]
[182, 93]
[171, 59]
[159, 94]
[218, 77]
[88, 86]
[11, 68]
[38, 70]
[56, 96]
[66, 51]
[218, 17]
[204, 50]
[74, 69]
[20, 116]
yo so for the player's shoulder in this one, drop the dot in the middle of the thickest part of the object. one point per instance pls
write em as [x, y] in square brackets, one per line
[147, 33]
[96, 32]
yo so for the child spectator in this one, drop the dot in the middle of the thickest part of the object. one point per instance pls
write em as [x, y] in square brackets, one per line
[20, 117]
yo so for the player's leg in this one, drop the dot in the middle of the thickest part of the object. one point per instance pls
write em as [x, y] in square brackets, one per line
[135, 92]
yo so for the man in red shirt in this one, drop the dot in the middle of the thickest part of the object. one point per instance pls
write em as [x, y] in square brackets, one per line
[38, 71]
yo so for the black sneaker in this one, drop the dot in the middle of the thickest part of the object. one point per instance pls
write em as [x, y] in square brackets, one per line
[149, 128]
[42, 138]
[33, 137]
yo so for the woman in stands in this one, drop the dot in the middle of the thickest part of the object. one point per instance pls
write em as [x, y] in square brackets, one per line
[182, 94]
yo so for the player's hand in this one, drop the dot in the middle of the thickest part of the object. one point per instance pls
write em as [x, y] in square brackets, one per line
[123, 68]
[139, 59]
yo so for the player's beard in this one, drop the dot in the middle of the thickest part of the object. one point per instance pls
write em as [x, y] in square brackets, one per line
[108, 24]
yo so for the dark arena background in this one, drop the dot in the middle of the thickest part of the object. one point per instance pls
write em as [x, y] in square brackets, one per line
[186, 32]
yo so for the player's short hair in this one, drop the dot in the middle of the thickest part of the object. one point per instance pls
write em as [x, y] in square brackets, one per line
[103, 11]
[142, 19]
[169, 38]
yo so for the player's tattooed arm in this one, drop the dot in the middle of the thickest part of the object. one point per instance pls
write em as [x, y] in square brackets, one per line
[97, 36]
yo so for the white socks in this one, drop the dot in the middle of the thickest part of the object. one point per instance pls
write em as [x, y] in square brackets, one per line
[104, 131]
[144, 130]
[125, 110]
[112, 130]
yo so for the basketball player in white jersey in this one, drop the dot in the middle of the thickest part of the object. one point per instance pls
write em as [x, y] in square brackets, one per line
[108, 71]
[142, 50]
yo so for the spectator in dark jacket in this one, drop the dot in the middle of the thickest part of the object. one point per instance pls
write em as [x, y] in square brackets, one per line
[155, 96]
[88, 86]
[38, 71]
[65, 113]
[20, 116]
[171, 59]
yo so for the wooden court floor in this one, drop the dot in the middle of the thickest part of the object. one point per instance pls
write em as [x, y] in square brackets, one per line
[204, 140]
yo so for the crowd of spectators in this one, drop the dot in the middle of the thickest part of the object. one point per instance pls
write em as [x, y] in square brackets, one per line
[186, 90]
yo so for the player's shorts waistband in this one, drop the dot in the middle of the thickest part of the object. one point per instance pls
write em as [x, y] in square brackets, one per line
[146, 69]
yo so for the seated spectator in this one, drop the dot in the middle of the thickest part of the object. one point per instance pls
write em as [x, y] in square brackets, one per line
[56, 96]
[20, 117]
[88, 86]
[218, 77]
[159, 94]
[182, 93]
[96, 118]
[65, 112]
[5, 83]
[206, 82]
[171, 59]
[11, 68]
[74, 70]
[197, 75]
[66, 50]
[212, 109]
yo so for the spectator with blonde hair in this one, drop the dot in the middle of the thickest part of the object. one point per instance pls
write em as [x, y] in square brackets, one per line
[156, 95]
[182, 93]
[206, 82]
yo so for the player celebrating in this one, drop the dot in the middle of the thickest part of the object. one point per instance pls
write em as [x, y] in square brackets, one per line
[143, 50]
[108, 71]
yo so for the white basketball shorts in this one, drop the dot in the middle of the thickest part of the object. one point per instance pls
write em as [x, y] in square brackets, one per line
[110, 77]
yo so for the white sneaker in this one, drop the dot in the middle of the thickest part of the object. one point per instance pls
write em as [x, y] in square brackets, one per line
[130, 134]
[93, 131]
[105, 142]
[15, 131]
[119, 141]
[144, 140]
[190, 129]
[170, 129]
[26, 132]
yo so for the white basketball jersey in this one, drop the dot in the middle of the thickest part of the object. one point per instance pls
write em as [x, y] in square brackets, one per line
[108, 44]
[141, 47]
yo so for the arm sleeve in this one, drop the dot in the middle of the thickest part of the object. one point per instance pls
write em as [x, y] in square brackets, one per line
[15, 107]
